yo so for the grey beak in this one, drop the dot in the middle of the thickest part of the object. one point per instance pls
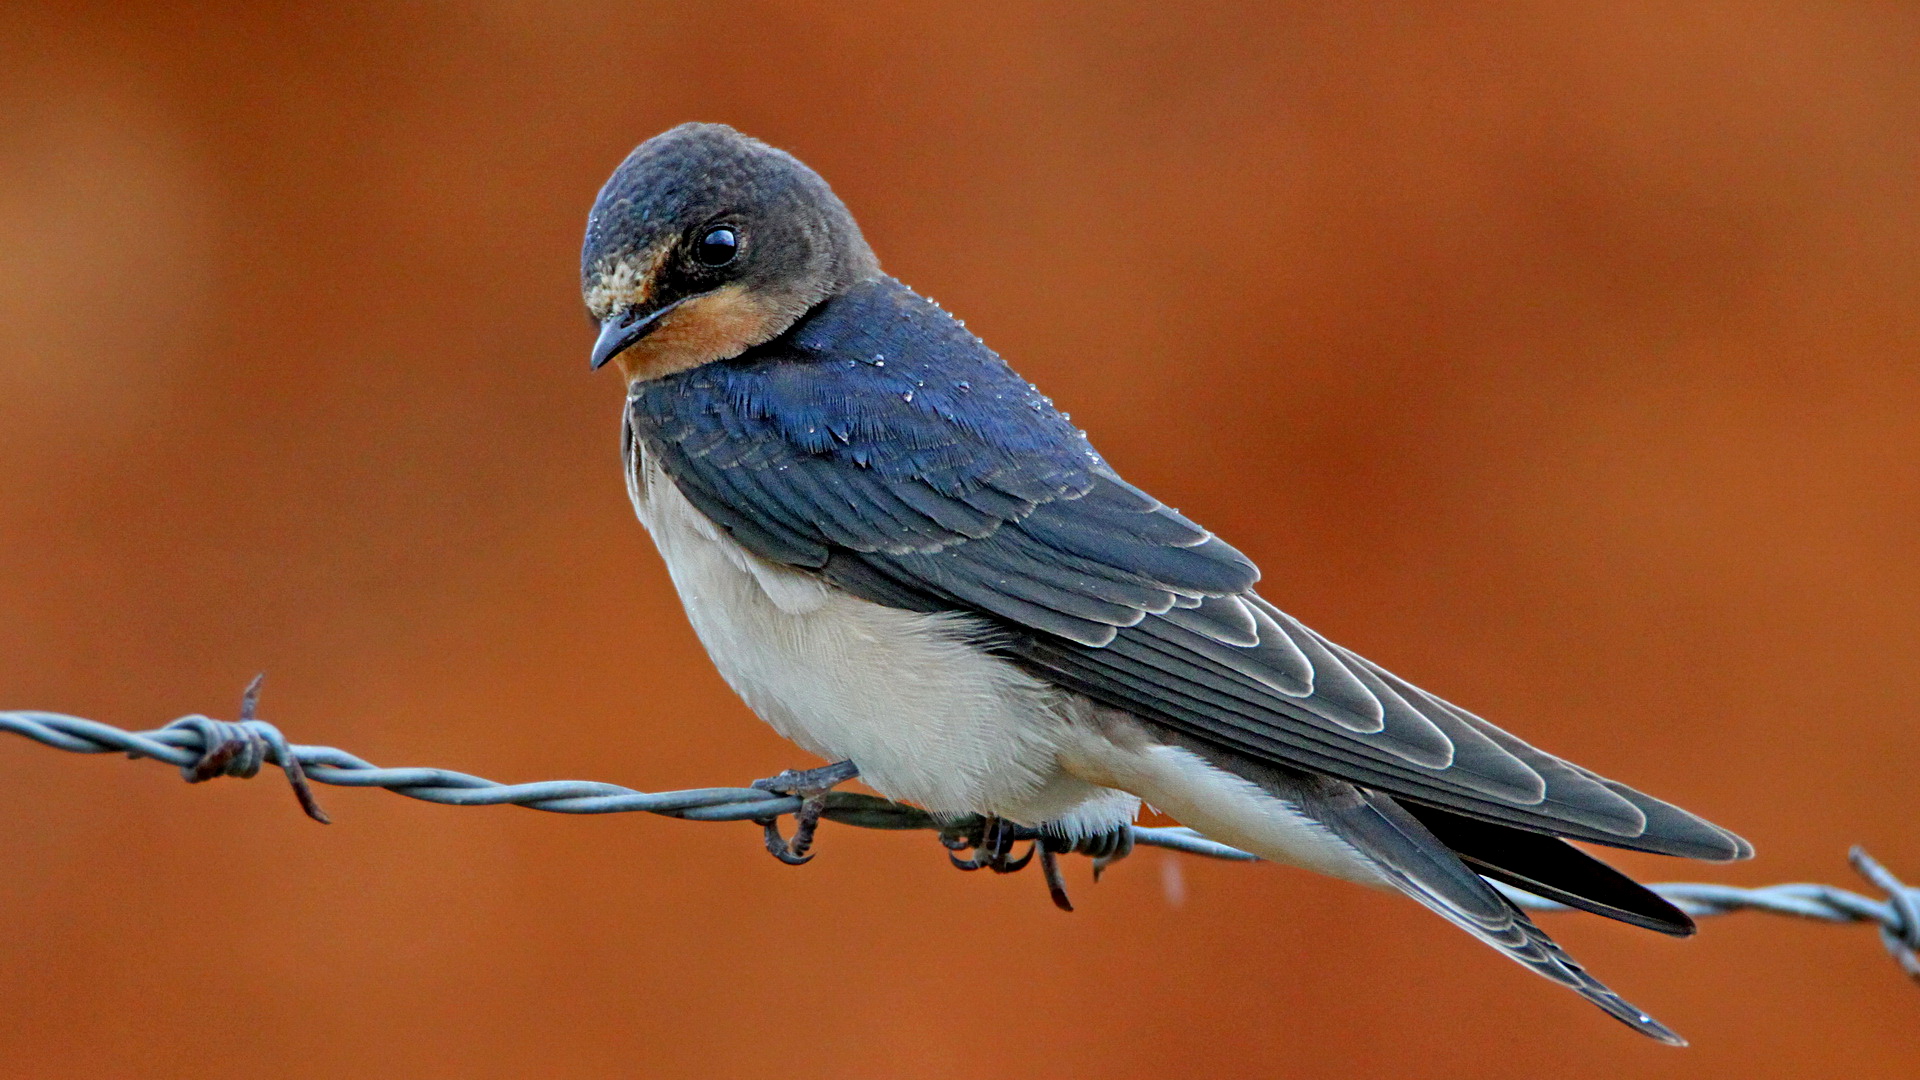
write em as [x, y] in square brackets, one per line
[623, 329]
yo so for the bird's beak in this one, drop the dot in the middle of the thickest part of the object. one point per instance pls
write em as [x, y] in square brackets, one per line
[621, 330]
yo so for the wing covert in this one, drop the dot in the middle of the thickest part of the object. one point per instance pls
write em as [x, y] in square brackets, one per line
[884, 447]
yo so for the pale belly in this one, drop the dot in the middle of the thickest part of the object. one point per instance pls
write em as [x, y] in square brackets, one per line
[932, 719]
[927, 716]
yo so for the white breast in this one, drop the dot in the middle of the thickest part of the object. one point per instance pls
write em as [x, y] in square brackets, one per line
[927, 714]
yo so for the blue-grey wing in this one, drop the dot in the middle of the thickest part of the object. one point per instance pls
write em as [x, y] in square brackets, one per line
[885, 448]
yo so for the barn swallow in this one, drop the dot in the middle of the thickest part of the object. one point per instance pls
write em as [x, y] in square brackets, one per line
[908, 562]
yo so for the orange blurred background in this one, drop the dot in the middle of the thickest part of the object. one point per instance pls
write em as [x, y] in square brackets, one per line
[1562, 361]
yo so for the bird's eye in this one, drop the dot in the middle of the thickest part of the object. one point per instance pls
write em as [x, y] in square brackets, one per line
[717, 247]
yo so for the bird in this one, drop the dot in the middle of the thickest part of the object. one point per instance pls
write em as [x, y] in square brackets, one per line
[909, 563]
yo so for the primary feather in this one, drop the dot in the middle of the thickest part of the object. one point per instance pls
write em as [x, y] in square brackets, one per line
[882, 446]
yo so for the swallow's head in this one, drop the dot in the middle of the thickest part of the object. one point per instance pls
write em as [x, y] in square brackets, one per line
[705, 243]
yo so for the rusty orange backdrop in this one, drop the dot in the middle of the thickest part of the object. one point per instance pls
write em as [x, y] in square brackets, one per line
[1562, 361]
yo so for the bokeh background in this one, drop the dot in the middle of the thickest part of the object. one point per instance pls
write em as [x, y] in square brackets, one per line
[1561, 357]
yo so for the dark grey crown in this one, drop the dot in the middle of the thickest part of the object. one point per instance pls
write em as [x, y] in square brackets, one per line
[797, 237]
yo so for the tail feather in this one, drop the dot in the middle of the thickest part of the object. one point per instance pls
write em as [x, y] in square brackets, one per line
[1337, 828]
[1549, 867]
[1416, 862]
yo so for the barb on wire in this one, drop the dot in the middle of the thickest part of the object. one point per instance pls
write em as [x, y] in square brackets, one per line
[1895, 916]
[204, 748]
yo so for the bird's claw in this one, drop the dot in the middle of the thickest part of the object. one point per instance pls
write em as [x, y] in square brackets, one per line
[1056, 881]
[992, 841]
[1107, 848]
[811, 786]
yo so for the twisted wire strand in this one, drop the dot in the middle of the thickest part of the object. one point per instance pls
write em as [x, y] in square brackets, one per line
[203, 748]
[192, 740]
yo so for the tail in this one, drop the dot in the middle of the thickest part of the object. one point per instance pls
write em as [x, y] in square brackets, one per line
[1336, 828]
[1414, 861]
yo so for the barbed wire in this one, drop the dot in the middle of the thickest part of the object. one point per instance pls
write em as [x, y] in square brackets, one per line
[204, 748]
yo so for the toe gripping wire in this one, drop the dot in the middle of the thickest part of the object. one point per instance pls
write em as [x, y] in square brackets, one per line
[811, 787]
[992, 841]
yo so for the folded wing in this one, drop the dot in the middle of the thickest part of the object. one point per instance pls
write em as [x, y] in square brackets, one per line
[886, 449]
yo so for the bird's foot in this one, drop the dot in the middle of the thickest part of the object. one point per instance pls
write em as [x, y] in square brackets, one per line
[811, 785]
[992, 842]
[1106, 848]
[1050, 851]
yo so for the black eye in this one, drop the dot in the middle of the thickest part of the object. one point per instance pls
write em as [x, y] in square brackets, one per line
[717, 247]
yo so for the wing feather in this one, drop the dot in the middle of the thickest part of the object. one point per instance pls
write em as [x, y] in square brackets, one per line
[943, 482]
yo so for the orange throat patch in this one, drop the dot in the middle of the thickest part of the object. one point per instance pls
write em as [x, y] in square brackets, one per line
[722, 324]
